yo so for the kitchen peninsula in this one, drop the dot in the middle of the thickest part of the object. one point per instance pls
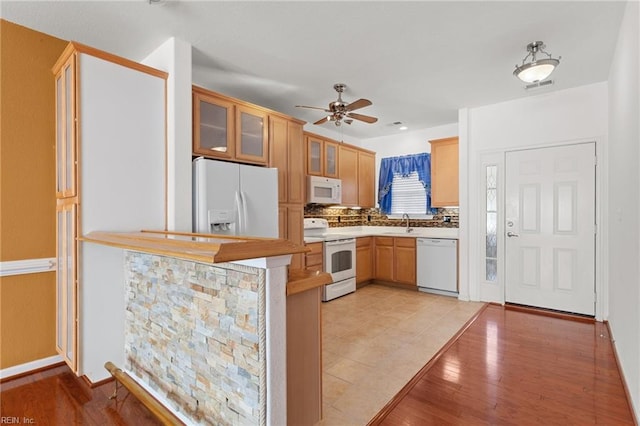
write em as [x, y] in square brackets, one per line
[205, 327]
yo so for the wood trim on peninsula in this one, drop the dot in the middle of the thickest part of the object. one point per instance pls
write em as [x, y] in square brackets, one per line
[206, 248]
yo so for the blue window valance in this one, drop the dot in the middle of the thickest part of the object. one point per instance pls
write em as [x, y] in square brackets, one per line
[404, 165]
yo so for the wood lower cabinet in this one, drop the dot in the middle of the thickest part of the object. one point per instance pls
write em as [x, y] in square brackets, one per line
[395, 259]
[444, 172]
[304, 358]
[290, 220]
[314, 260]
[383, 247]
[364, 259]
[404, 258]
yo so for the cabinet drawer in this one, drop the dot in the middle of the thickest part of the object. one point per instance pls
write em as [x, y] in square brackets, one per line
[314, 259]
[405, 242]
[315, 268]
[363, 242]
[314, 247]
[384, 241]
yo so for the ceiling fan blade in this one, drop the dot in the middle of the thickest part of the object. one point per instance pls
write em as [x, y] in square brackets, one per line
[365, 118]
[322, 120]
[304, 106]
[348, 121]
[360, 103]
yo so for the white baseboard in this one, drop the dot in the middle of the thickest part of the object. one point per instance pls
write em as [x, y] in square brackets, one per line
[29, 366]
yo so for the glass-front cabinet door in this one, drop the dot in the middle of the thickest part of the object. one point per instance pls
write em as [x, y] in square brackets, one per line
[251, 135]
[213, 130]
[66, 160]
[330, 159]
[66, 279]
[314, 156]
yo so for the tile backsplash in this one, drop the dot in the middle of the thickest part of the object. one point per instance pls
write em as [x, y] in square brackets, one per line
[338, 217]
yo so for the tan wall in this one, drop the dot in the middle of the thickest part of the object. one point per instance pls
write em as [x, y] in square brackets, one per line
[27, 190]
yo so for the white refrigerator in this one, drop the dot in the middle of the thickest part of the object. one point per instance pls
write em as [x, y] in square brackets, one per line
[234, 199]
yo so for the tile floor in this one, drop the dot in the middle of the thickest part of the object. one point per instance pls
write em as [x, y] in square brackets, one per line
[375, 340]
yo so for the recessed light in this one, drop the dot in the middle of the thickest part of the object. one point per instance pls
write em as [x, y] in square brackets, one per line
[403, 127]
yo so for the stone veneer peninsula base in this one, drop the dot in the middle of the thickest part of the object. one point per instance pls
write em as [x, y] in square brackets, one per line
[196, 335]
[205, 329]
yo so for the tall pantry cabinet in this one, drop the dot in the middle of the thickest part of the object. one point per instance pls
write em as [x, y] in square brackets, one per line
[110, 175]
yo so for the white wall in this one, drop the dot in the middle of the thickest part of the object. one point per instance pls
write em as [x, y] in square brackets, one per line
[577, 114]
[174, 57]
[624, 199]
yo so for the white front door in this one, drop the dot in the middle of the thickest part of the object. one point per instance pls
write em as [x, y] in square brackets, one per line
[550, 228]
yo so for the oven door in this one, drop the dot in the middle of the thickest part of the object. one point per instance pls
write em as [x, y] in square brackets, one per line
[340, 259]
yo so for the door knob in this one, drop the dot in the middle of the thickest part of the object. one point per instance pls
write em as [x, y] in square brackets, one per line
[512, 234]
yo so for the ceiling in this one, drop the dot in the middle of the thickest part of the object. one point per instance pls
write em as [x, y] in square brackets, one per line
[417, 61]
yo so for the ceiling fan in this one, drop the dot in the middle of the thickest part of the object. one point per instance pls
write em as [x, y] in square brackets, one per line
[340, 111]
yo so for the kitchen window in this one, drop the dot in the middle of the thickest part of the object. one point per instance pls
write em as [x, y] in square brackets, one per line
[405, 185]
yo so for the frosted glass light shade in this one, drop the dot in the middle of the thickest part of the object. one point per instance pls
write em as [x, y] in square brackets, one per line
[536, 71]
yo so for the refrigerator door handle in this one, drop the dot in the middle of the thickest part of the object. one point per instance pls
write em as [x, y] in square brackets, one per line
[240, 213]
[245, 216]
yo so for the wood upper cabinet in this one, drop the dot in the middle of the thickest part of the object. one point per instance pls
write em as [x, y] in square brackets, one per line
[213, 125]
[395, 259]
[296, 176]
[330, 159]
[348, 173]
[364, 259]
[229, 129]
[366, 179]
[66, 129]
[322, 156]
[287, 155]
[251, 135]
[353, 165]
[444, 172]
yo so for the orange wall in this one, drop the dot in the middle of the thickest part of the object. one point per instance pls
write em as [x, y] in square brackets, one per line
[27, 190]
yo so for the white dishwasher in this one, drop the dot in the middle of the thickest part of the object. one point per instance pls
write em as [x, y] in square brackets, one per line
[437, 260]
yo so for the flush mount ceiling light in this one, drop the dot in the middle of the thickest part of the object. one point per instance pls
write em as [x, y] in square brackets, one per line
[537, 69]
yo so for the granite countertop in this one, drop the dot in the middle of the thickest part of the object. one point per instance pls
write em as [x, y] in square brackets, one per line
[206, 248]
[389, 231]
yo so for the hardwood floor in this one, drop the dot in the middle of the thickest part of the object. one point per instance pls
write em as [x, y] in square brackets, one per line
[507, 368]
[516, 368]
[58, 397]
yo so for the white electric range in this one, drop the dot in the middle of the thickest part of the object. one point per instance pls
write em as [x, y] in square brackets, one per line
[339, 254]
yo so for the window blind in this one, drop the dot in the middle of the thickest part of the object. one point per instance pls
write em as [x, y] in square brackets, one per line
[408, 194]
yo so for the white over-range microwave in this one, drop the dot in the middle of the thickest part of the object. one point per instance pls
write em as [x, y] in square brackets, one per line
[323, 190]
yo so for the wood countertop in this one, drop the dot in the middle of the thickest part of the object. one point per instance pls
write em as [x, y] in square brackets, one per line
[300, 280]
[206, 248]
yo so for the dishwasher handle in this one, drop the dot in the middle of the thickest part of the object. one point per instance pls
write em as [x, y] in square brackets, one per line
[436, 242]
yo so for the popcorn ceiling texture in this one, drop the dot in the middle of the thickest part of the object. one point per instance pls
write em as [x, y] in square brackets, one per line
[195, 334]
[372, 217]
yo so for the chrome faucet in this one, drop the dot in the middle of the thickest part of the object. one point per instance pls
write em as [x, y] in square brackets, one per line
[406, 216]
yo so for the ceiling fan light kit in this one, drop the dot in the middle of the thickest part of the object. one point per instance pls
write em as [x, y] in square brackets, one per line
[340, 111]
[537, 69]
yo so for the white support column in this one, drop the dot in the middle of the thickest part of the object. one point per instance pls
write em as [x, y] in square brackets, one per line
[276, 318]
